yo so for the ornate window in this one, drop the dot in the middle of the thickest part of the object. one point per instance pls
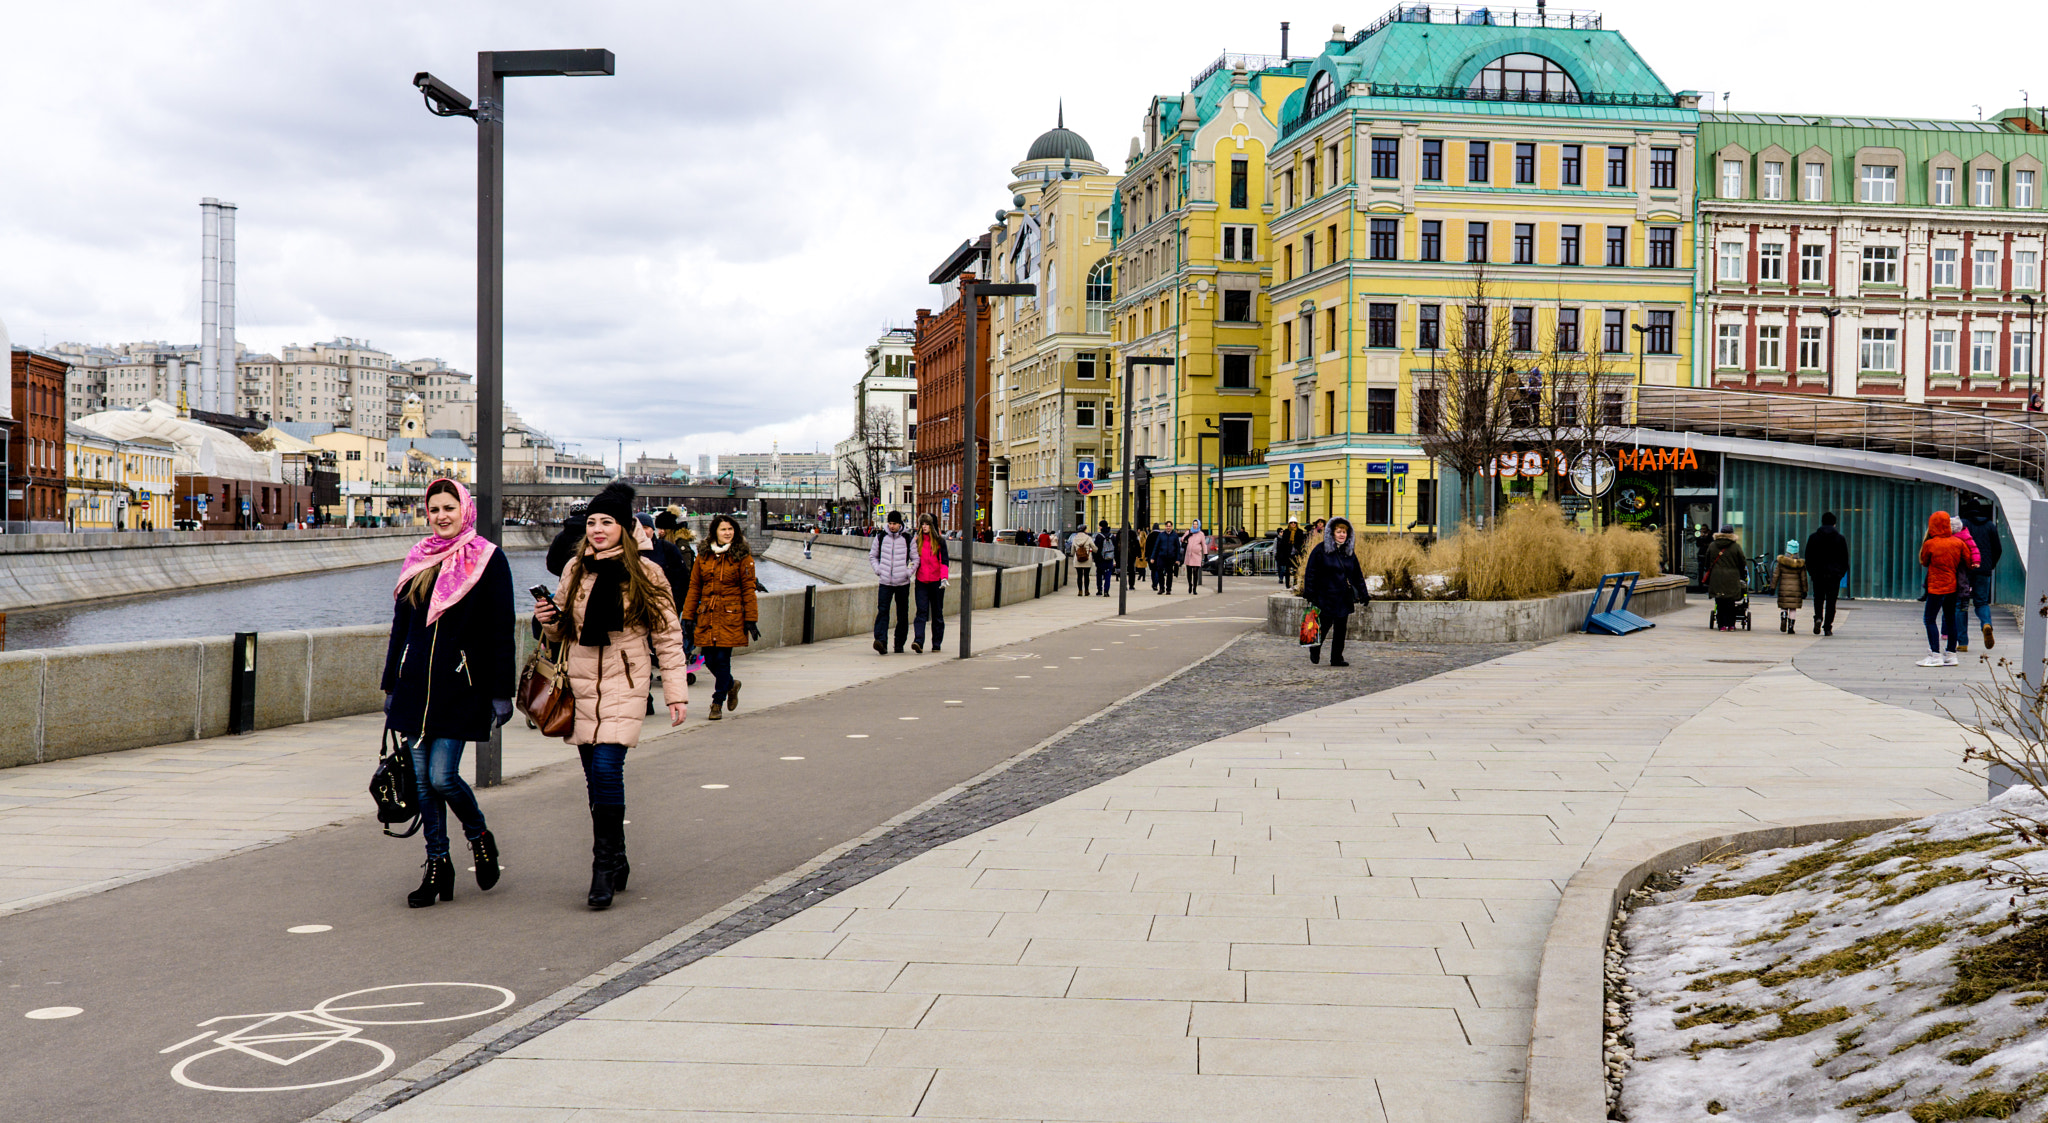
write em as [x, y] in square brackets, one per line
[1322, 94]
[1525, 77]
[1098, 296]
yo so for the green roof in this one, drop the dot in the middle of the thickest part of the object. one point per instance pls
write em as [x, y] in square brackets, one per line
[1444, 54]
[1840, 137]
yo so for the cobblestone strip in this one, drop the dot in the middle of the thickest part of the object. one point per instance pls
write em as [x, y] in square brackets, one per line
[1252, 680]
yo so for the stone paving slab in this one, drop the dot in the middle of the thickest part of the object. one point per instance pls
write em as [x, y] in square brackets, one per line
[88, 824]
[1333, 916]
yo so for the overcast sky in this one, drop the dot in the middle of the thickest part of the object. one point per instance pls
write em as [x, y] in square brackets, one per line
[699, 248]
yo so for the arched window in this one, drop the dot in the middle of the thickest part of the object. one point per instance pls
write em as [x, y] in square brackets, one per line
[1322, 94]
[1099, 296]
[1525, 77]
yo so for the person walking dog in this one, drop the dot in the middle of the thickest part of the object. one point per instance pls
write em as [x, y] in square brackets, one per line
[1827, 561]
[720, 608]
[611, 602]
[448, 676]
[934, 564]
[1943, 555]
[890, 557]
[1332, 581]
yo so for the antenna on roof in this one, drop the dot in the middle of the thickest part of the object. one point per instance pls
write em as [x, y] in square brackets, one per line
[1980, 111]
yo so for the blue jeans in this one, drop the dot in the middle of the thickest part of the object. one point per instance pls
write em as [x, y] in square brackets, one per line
[604, 774]
[437, 765]
[1103, 573]
[1980, 595]
[1944, 606]
[718, 660]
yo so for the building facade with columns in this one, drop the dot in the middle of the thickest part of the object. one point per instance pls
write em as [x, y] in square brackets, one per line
[1873, 257]
[1054, 394]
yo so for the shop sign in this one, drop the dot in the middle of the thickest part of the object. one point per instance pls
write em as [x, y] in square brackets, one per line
[1592, 474]
[1658, 460]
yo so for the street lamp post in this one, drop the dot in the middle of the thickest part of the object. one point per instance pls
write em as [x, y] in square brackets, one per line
[970, 413]
[2033, 345]
[1202, 485]
[492, 68]
[1127, 543]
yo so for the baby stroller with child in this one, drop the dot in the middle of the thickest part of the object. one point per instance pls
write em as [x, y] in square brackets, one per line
[1753, 576]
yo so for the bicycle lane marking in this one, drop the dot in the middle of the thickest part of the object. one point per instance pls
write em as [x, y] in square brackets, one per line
[326, 1025]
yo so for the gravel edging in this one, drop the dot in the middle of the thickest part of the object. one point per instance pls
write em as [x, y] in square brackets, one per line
[1566, 1080]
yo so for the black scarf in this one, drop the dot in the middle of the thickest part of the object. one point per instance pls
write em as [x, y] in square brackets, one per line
[605, 611]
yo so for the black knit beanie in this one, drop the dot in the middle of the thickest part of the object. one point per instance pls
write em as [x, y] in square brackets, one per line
[665, 520]
[615, 500]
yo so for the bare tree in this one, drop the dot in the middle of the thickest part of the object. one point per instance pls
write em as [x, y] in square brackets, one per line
[533, 508]
[877, 444]
[1466, 417]
[1564, 403]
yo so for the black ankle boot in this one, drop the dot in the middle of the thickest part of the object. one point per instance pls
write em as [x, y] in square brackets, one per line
[484, 848]
[439, 881]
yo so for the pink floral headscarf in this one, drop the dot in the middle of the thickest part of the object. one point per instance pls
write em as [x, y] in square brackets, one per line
[461, 558]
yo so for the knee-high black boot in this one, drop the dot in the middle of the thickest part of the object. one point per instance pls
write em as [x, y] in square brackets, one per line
[605, 833]
[621, 869]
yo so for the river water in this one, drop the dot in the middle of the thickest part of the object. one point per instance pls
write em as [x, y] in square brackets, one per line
[331, 599]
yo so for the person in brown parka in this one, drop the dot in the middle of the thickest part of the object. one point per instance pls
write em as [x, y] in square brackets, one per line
[1788, 577]
[721, 607]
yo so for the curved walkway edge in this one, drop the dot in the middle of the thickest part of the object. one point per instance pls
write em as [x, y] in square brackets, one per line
[1566, 1081]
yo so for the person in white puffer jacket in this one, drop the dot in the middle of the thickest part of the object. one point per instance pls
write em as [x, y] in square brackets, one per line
[890, 554]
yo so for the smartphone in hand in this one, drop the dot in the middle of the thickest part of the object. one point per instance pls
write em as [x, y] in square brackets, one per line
[540, 592]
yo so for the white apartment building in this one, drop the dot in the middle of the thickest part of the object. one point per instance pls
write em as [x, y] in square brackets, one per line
[884, 414]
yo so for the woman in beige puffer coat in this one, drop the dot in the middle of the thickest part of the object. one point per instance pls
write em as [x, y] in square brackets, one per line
[616, 601]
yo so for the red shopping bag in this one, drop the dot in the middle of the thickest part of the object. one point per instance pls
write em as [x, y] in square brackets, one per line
[1311, 627]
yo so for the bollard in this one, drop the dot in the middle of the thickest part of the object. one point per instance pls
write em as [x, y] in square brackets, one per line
[1037, 581]
[810, 612]
[998, 600]
[3, 631]
[242, 685]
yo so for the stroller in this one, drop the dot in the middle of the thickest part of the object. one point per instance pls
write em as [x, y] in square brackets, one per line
[1754, 577]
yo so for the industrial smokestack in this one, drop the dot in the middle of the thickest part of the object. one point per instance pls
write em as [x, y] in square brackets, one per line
[209, 301]
[1283, 40]
[225, 370]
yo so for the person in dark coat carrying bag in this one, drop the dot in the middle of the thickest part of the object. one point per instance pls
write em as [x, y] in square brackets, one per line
[448, 676]
[1332, 581]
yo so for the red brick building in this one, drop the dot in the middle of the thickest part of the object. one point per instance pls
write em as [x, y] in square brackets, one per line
[35, 443]
[941, 356]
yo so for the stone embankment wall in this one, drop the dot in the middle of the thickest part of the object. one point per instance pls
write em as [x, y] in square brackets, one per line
[66, 702]
[1479, 621]
[48, 570]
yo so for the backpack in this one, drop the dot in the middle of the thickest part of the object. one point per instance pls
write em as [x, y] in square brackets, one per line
[1081, 553]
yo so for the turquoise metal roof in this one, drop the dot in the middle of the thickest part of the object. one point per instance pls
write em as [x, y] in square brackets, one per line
[1440, 54]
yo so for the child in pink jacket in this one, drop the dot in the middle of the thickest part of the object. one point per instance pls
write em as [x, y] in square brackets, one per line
[1972, 557]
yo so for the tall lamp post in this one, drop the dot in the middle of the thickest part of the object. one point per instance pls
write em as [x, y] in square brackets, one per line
[2033, 345]
[970, 413]
[1127, 541]
[492, 68]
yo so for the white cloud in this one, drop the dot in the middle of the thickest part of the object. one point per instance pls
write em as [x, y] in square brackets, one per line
[699, 248]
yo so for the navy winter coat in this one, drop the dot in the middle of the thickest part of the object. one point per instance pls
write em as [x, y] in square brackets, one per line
[443, 676]
[1332, 580]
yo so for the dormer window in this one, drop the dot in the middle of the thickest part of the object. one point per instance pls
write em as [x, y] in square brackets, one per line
[1322, 94]
[1525, 77]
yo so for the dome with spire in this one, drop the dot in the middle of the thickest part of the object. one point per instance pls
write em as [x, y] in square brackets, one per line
[1061, 143]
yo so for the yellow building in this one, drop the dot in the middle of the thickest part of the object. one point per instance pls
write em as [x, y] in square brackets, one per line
[1194, 270]
[1051, 364]
[366, 481]
[1530, 163]
[114, 484]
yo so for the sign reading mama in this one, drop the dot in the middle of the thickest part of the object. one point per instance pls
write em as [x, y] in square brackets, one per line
[1658, 460]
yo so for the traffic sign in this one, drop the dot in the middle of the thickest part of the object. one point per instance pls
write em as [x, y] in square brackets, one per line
[1086, 486]
[1023, 496]
[946, 507]
[1296, 472]
[955, 489]
[1085, 469]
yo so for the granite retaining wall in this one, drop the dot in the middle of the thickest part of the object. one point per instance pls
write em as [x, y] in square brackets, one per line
[1477, 621]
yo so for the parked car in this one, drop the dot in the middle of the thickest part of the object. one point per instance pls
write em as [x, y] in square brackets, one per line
[1248, 559]
[184, 524]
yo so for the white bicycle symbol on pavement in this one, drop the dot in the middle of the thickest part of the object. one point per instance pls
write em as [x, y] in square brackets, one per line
[283, 1038]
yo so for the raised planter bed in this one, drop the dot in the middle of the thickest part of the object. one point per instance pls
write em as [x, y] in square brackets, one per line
[1477, 621]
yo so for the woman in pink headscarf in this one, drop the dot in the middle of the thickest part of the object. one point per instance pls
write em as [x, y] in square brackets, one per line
[448, 675]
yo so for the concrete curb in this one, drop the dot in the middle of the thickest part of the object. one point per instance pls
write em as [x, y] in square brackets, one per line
[1566, 1081]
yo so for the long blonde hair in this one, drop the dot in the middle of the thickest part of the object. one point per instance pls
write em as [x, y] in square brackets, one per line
[647, 604]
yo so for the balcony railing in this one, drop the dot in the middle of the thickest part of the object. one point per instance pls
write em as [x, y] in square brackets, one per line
[1251, 459]
[1980, 439]
[1564, 19]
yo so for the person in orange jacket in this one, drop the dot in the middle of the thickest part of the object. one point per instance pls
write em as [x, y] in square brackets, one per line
[1942, 554]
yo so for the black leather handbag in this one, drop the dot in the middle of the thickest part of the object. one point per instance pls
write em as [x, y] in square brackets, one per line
[395, 787]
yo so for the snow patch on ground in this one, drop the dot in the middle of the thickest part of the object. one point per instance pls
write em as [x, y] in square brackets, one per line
[1822, 983]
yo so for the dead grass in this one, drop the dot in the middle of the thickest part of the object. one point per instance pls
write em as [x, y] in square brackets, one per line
[1533, 552]
[1396, 558]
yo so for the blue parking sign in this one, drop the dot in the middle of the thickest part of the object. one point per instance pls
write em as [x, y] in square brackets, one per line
[945, 507]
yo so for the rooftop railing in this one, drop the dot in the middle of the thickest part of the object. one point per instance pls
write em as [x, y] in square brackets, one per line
[1471, 93]
[1978, 438]
[1231, 60]
[1564, 19]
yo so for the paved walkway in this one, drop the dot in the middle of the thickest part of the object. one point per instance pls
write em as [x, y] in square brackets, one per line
[80, 826]
[1336, 916]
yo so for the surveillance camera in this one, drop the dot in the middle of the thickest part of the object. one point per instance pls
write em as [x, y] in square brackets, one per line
[444, 100]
